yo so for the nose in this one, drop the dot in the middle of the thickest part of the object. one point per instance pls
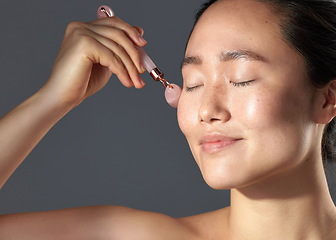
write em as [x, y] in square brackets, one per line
[214, 106]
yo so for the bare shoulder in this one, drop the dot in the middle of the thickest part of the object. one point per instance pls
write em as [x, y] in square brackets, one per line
[98, 222]
[209, 225]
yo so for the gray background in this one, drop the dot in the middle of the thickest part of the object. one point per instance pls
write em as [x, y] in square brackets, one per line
[121, 146]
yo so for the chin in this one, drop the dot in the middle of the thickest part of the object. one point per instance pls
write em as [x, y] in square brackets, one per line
[219, 185]
[233, 178]
[223, 173]
[222, 181]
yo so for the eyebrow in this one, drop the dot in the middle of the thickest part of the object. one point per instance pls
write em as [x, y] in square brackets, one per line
[226, 56]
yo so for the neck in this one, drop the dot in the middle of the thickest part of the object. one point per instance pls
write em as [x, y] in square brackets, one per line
[292, 205]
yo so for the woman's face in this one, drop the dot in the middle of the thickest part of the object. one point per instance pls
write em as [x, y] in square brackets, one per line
[246, 105]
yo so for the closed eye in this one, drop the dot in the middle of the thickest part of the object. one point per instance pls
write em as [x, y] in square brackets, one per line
[190, 89]
[242, 84]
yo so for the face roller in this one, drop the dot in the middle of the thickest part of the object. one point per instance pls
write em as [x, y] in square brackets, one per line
[173, 91]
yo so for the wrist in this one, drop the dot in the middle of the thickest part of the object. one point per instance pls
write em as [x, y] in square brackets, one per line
[51, 103]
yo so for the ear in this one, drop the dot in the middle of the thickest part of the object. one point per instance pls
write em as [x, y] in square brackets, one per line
[326, 101]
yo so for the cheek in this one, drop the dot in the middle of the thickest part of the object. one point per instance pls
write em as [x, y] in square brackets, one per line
[275, 120]
[264, 109]
[185, 115]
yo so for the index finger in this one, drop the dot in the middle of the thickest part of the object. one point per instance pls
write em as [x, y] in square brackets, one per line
[134, 33]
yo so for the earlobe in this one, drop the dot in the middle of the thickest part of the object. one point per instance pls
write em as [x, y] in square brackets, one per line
[327, 110]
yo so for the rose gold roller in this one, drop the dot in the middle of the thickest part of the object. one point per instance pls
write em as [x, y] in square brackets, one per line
[173, 91]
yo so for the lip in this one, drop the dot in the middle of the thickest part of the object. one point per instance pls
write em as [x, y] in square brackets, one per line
[216, 142]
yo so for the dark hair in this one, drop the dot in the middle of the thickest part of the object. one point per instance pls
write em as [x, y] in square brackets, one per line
[310, 27]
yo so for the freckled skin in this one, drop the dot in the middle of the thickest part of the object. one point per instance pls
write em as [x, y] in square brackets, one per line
[279, 190]
[273, 115]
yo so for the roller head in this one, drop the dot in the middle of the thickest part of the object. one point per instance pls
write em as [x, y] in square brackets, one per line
[173, 94]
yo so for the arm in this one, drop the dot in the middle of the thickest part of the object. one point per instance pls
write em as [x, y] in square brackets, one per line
[23, 127]
[96, 222]
[89, 54]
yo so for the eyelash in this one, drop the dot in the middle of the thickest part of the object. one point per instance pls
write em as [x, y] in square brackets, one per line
[242, 84]
[235, 84]
[190, 89]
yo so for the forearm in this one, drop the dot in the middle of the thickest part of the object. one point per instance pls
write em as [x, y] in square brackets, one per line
[23, 127]
[84, 65]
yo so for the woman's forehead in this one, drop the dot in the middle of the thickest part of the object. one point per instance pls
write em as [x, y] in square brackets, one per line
[231, 26]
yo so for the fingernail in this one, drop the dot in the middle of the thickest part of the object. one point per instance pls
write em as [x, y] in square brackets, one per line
[142, 68]
[142, 40]
[142, 82]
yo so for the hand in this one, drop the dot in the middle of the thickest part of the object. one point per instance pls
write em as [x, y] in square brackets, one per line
[90, 53]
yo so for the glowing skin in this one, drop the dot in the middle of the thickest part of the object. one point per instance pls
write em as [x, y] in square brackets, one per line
[246, 107]
[246, 116]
